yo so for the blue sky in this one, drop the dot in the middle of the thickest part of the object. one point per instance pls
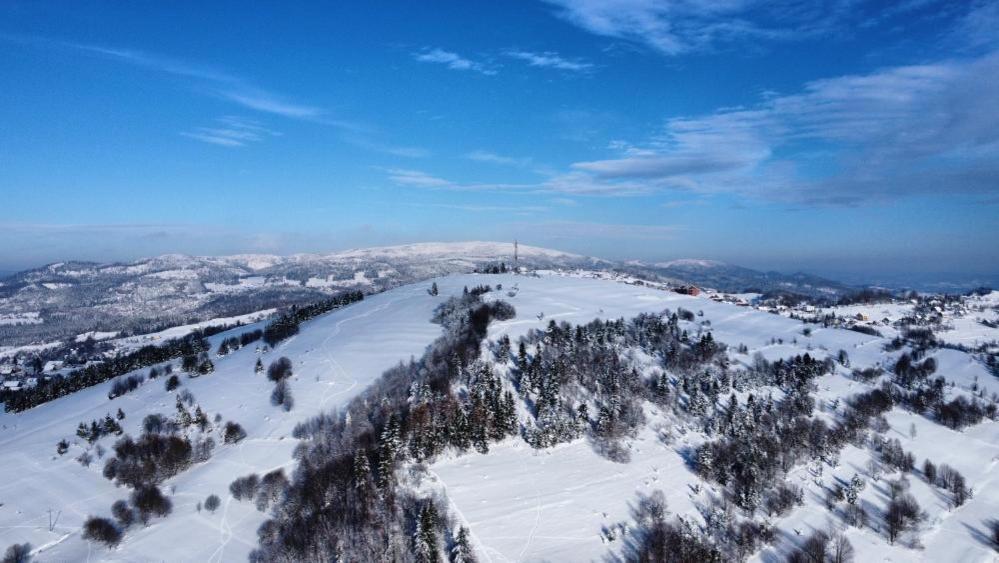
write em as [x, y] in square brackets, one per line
[833, 137]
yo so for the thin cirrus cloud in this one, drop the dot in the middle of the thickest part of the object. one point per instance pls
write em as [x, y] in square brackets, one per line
[231, 131]
[546, 59]
[422, 180]
[671, 27]
[234, 89]
[218, 83]
[567, 184]
[678, 27]
[494, 158]
[550, 59]
[896, 132]
[451, 60]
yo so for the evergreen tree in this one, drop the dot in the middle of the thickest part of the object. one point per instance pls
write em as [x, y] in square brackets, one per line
[390, 443]
[522, 356]
[183, 416]
[462, 550]
[460, 436]
[172, 383]
[425, 539]
[362, 471]
[201, 419]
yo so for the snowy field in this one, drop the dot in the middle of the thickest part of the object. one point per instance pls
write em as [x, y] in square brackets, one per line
[520, 504]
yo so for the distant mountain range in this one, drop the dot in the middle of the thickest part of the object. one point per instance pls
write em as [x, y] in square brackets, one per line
[735, 279]
[64, 299]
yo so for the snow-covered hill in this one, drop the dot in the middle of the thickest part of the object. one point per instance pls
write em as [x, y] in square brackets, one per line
[564, 503]
[62, 300]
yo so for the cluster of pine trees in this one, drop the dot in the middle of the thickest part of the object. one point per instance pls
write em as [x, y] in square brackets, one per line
[346, 483]
[286, 325]
[234, 343]
[577, 381]
[45, 391]
[166, 447]
[125, 384]
[98, 429]
[760, 440]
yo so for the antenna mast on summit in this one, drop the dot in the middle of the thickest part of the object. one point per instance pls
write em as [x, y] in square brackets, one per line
[514, 251]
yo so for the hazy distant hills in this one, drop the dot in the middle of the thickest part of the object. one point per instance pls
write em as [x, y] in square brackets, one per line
[64, 299]
[731, 278]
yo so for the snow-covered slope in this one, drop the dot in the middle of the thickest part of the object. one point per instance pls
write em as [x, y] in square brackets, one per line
[62, 300]
[519, 503]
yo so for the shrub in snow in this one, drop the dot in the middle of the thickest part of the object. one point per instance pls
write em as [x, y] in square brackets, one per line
[85, 459]
[822, 546]
[930, 471]
[150, 459]
[101, 530]
[902, 515]
[281, 396]
[18, 553]
[658, 539]
[154, 423]
[279, 369]
[783, 498]
[245, 488]
[149, 501]
[172, 383]
[212, 503]
[272, 487]
[233, 433]
[123, 513]
[124, 385]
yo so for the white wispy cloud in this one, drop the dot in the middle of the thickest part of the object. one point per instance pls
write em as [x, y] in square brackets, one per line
[671, 27]
[217, 83]
[570, 184]
[550, 59]
[494, 158]
[899, 131]
[260, 100]
[452, 60]
[676, 27]
[231, 131]
[214, 81]
[979, 26]
[420, 179]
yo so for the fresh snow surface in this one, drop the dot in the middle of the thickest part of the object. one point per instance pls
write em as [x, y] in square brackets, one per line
[138, 341]
[520, 504]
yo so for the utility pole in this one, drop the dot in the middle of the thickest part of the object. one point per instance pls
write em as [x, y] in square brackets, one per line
[52, 522]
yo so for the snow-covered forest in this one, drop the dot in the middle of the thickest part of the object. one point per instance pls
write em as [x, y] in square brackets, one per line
[549, 415]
